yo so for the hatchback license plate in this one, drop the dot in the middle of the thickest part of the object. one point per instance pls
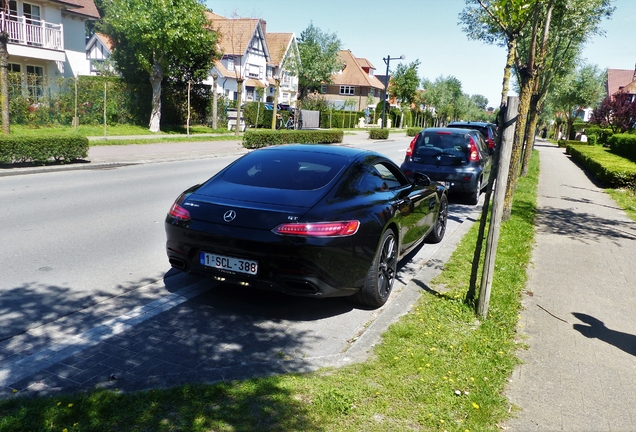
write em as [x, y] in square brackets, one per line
[223, 262]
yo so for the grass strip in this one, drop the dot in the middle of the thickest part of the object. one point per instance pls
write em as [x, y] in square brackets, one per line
[437, 368]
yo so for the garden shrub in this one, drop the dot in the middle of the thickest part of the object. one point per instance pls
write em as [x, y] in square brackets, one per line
[43, 149]
[412, 131]
[624, 145]
[253, 139]
[612, 170]
[378, 133]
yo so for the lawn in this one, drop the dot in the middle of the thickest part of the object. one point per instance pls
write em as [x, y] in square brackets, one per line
[438, 368]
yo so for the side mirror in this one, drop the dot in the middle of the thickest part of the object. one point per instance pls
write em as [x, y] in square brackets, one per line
[421, 179]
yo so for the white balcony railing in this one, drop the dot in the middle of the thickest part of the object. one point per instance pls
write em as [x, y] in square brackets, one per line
[37, 33]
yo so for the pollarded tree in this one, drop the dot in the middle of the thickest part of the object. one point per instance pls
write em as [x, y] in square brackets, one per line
[404, 84]
[160, 38]
[582, 89]
[319, 59]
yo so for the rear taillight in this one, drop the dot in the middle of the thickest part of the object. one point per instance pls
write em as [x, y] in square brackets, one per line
[319, 229]
[491, 143]
[178, 212]
[474, 153]
[411, 149]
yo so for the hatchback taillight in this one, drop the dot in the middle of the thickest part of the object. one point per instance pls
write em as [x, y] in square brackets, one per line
[178, 212]
[319, 229]
[411, 149]
[474, 153]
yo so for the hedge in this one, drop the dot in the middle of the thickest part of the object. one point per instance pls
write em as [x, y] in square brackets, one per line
[263, 138]
[43, 149]
[412, 131]
[378, 133]
[611, 170]
[624, 145]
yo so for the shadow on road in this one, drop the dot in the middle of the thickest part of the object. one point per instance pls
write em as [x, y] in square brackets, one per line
[595, 329]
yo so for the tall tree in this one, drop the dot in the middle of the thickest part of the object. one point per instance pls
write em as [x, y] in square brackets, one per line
[319, 59]
[404, 84]
[160, 38]
[4, 67]
[581, 89]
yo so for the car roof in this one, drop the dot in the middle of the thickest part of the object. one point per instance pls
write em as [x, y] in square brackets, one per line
[471, 123]
[321, 148]
[450, 130]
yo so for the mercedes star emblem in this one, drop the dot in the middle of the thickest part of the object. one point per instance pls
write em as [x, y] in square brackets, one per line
[229, 216]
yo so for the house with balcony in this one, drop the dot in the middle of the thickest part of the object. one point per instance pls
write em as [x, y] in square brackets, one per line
[244, 60]
[47, 40]
[284, 55]
[354, 87]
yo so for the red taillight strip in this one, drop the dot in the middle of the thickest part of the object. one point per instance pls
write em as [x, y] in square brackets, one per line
[474, 154]
[411, 149]
[319, 229]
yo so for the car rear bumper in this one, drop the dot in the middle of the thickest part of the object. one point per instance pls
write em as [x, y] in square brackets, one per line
[462, 179]
[327, 268]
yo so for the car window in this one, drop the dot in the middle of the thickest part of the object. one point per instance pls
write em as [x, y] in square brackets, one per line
[441, 149]
[285, 170]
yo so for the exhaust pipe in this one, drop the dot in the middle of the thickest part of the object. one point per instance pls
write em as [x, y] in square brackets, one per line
[177, 263]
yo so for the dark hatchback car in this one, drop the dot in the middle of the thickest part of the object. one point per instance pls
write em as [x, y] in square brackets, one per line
[488, 130]
[308, 220]
[459, 157]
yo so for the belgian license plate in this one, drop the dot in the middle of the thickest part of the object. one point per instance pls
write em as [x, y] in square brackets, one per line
[223, 262]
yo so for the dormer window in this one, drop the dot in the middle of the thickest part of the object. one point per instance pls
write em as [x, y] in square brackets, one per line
[230, 64]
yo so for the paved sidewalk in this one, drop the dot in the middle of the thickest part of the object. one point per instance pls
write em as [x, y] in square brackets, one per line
[579, 370]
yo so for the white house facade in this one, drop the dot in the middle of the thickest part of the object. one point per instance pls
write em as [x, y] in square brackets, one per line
[47, 39]
[244, 57]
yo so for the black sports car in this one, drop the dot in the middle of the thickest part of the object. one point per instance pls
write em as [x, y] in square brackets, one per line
[309, 220]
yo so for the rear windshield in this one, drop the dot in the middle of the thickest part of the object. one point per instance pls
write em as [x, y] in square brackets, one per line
[482, 129]
[441, 149]
[290, 170]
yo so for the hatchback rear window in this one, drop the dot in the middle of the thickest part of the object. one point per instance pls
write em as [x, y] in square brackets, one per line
[441, 149]
[285, 170]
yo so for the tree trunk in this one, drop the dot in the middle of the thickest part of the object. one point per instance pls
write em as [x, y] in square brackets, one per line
[239, 85]
[517, 145]
[4, 82]
[156, 76]
[533, 119]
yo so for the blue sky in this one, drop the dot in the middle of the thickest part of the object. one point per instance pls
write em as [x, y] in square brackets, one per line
[425, 30]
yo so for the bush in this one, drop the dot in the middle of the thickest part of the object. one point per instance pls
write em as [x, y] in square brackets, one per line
[43, 149]
[611, 170]
[264, 138]
[624, 145]
[378, 133]
[340, 119]
[412, 131]
[251, 110]
[598, 135]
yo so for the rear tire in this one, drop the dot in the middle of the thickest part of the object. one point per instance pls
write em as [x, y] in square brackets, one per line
[473, 198]
[439, 229]
[379, 283]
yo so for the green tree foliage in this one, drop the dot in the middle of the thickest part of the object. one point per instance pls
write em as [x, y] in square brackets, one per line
[581, 89]
[318, 57]
[158, 39]
[446, 97]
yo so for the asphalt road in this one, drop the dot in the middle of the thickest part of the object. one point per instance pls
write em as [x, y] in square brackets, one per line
[75, 238]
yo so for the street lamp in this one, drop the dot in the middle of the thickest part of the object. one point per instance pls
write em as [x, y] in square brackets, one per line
[387, 60]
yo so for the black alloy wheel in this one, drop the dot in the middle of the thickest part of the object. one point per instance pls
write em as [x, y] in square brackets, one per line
[379, 282]
[437, 234]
